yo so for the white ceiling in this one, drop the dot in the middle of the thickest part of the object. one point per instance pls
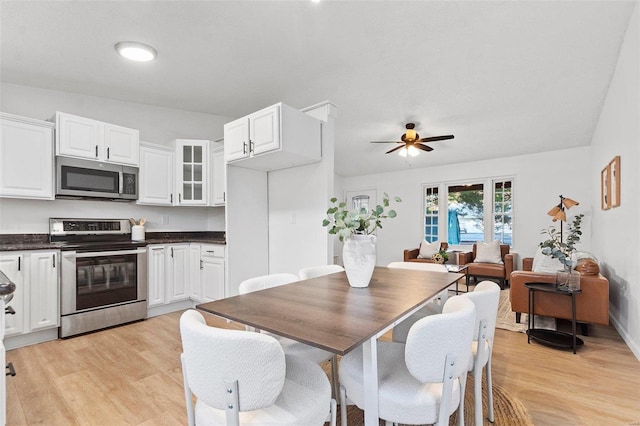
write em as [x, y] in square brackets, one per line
[506, 77]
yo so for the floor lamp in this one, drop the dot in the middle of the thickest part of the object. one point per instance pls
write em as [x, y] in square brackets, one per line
[557, 212]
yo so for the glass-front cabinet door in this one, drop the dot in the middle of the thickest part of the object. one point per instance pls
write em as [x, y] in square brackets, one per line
[192, 172]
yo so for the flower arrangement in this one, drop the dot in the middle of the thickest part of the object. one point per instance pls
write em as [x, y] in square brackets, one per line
[344, 222]
[440, 257]
[558, 249]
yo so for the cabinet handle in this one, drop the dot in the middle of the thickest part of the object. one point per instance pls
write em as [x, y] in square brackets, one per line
[171, 251]
[210, 251]
[19, 259]
[96, 151]
[54, 260]
[201, 264]
[9, 311]
[224, 196]
[244, 148]
[171, 198]
[252, 147]
[108, 153]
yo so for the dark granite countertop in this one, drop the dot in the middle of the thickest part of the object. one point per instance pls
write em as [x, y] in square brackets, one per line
[20, 242]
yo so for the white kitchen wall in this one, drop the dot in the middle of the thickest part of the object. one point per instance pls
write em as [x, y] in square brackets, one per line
[539, 180]
[617, 234]
[156, 124]
[298, 197]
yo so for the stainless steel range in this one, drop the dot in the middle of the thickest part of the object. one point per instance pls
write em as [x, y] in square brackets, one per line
[103, 274]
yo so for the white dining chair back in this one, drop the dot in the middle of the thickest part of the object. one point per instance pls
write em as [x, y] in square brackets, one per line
[241, 377]
[400, 331]
[266, 281]
[317, 271]
[485, 297]
[420, 382]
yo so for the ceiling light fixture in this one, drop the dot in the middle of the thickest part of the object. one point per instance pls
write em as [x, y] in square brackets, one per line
[136, 51]
[411, 150]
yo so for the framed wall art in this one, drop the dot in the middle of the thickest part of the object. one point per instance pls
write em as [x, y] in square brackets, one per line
[614, 177]
[605, 188]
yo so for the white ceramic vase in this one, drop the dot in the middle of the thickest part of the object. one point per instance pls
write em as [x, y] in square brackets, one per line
[359, 257]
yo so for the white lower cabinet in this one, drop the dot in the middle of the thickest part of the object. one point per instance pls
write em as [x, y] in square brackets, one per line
[207, 272]
[44, 298]
[168, 274]
[212, 272]
[36, 300]
[178, 273]
[156, 275]
[12, 264]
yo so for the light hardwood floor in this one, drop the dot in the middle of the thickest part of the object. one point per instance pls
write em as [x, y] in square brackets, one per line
[131, 375]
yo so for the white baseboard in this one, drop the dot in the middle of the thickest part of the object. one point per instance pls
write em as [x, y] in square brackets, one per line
[628, 339]
[28, 339]
[171, 307]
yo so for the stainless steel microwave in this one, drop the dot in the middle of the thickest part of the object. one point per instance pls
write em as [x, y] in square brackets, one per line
[76, 178]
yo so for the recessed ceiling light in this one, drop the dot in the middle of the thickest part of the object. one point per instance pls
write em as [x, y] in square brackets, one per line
[136, 51]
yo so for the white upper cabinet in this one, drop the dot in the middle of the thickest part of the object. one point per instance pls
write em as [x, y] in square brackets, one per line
[276, 137]
[26, 158]
[91, 139]
[157, 183]
[192, 172]
[218, 177]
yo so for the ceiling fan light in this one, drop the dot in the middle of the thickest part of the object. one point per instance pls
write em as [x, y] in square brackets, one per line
[403, 152]
[413, 151]
[410, 134]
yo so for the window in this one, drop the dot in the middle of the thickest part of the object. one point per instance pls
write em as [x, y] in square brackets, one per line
[431, 211]
[465, 210]
[502, 211]
[480, 210]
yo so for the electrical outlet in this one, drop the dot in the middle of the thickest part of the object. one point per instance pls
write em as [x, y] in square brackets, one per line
[165, 219]
[293, 218]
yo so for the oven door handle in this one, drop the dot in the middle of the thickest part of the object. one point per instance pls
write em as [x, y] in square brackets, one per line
[105, 253]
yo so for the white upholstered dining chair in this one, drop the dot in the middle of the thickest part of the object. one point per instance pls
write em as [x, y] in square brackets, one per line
[421, 381]
[485, 297]
[245, 378]
[401, 330]
[317, 271]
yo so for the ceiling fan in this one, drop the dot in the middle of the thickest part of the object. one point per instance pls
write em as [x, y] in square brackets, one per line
[411, 142]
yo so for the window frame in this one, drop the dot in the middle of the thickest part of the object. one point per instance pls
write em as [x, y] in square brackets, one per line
[488, 202]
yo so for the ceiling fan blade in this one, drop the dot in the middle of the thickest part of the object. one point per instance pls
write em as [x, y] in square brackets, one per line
[394, 149]
[423, 147]
[436, 138]
[386, 142]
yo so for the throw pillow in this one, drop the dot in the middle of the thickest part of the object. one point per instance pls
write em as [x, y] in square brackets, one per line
[546, 264]
[488, 252]
[427, 250]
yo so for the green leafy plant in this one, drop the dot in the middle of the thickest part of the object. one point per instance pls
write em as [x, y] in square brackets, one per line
[343, 222]
[558, 249]
[444, 254]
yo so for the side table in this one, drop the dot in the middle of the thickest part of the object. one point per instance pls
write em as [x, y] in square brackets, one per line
[553, 338]
[459, 269]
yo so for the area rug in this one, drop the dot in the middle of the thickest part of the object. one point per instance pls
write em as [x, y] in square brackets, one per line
[506, 319]
[508, 411]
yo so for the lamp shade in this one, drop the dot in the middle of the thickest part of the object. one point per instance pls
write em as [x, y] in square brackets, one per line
[568, 202]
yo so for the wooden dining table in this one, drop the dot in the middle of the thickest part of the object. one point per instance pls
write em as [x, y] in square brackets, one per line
[327, 313]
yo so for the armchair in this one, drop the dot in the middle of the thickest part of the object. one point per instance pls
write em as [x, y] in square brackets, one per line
[411, 255]
[592, 305]
[502, 271]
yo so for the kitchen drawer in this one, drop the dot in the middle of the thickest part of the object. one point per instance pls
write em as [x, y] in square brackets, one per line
[213, 250]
